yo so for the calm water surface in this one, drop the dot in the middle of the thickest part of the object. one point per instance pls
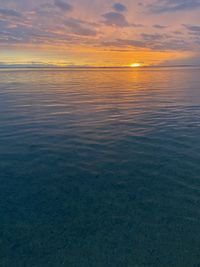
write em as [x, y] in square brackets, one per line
[100, 168]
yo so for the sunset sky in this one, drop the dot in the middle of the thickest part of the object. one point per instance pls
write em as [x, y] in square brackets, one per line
[99, 32]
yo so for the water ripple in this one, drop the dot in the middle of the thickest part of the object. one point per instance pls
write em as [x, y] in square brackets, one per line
[100, 167]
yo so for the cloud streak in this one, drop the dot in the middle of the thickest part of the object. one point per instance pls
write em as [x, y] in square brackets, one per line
[78, 27]
[118, 7]
[115, 19]
[164, 6]
[9, 12]
[63, 5]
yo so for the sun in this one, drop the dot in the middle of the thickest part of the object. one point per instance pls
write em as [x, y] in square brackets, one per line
[136, 65]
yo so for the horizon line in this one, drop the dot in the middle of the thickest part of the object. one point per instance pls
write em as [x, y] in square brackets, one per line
[32, 66]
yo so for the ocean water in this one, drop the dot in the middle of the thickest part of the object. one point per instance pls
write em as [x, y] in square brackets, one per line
[100, 168]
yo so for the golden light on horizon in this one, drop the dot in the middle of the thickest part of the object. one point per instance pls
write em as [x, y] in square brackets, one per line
[136, 65]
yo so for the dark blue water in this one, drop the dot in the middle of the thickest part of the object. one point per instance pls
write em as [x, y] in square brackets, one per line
[100, 168]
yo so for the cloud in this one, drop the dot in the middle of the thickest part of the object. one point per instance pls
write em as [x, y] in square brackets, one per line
[172, 44]
[115, 19]
[194, 29]
[63, 5]
[136, 25]
[154, 42]
[124, 43]
[158, 26]
[3, 24]
[9, 12]
[162, 6]
[193, 61]
[118, 7]
[76, 27]
[152, 37]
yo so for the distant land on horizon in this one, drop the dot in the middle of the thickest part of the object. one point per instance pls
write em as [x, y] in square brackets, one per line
[38, 66]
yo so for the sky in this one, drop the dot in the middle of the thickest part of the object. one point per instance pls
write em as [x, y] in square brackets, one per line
[99, 32]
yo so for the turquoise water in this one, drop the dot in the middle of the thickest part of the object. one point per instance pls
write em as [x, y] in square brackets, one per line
[100, 168]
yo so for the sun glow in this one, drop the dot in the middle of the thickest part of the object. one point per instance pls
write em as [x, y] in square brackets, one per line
[136, 65]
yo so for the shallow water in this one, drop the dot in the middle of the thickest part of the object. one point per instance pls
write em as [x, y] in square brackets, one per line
[100, 168]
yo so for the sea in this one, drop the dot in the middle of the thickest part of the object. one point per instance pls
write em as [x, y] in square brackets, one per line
[100, 167]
